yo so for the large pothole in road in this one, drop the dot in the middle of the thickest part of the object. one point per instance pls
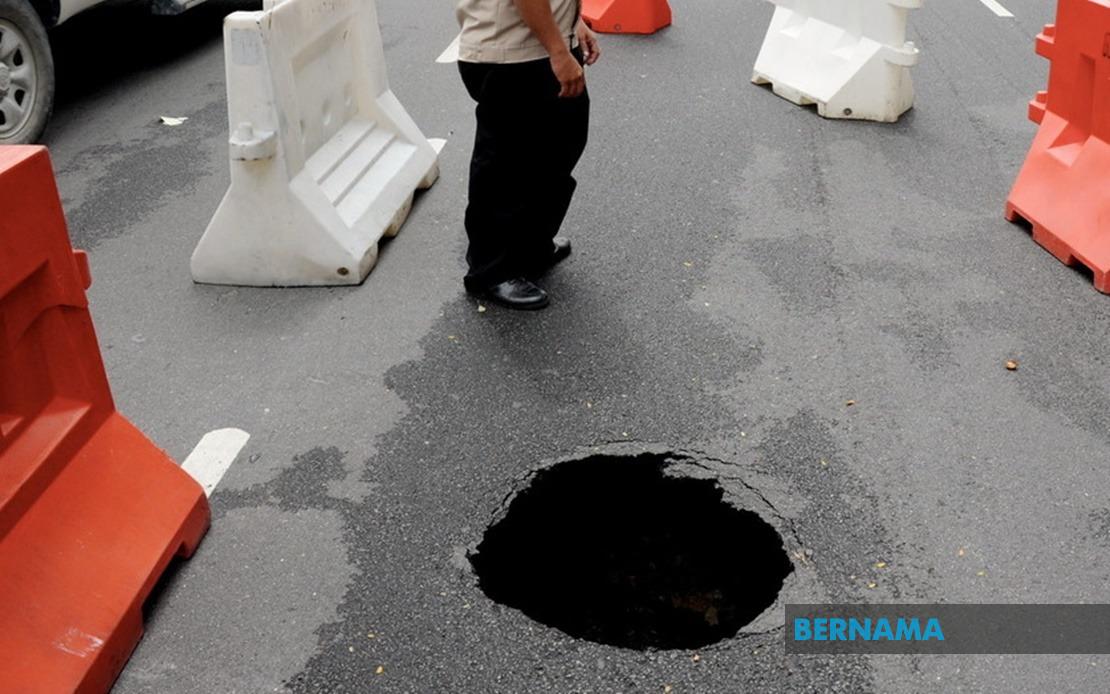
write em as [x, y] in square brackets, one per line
[617, 551]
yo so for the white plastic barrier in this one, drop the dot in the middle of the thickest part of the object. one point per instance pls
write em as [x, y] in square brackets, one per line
[324, 159]
[848, 57]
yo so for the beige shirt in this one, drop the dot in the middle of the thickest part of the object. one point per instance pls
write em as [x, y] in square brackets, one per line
[493, 31]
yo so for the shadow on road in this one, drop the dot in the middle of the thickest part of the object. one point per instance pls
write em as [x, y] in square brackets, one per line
[118, 40]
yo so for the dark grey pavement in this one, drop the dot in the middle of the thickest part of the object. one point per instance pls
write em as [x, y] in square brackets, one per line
[742, 270]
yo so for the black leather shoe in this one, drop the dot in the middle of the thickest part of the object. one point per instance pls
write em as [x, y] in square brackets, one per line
[562, 249]
[517, 293]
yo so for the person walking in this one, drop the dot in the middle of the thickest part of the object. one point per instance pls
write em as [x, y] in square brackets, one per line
[523, 62]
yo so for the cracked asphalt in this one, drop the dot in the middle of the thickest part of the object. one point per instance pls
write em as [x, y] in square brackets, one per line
[742, 271]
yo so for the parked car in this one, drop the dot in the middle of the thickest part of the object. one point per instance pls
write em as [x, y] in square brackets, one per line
[27, 65]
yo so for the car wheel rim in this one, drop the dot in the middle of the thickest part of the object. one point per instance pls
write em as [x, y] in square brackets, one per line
[17, 79]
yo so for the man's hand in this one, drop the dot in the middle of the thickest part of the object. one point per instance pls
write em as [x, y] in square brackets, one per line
[537, 15]
[571, 76]
[587, 39]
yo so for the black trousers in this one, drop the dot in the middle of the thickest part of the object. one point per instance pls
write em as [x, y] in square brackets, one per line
[527, 144]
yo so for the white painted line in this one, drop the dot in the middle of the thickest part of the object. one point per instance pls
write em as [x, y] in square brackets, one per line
[214, 455]
[437, 143]
[997, 8]
[451, 53]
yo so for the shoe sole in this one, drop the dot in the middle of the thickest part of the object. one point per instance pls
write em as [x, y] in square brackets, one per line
[517, 307]
[536, 274]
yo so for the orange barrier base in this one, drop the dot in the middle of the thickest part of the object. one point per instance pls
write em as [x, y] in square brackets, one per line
[1062, 192]
[91, 512]
[626, 16]
[77, 567]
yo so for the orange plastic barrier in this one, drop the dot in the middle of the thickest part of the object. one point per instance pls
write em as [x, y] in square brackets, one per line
[1063, 189]
[91, 512]
[626, 16]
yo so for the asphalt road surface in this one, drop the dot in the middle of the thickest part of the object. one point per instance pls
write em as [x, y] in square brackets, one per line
[742, 270]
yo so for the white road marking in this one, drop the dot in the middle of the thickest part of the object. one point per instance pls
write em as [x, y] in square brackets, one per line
[451, 53]
[437, 143]
[997, 8]
[214, 455]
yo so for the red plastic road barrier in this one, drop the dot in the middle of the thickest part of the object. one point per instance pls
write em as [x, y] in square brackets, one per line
[91, 512]
[1063, 189]
[626, 16]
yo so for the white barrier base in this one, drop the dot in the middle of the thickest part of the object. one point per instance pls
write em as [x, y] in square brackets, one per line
[303, 238]
[811, 62]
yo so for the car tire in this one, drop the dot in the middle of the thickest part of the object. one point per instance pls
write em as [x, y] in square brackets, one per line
[26, 74]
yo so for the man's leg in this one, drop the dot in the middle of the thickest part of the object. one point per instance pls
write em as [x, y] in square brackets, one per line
[570, 132]
[565, 124]
[485, 230]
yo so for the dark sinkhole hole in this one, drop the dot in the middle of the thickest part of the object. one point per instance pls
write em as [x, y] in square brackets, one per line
[617, 551]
